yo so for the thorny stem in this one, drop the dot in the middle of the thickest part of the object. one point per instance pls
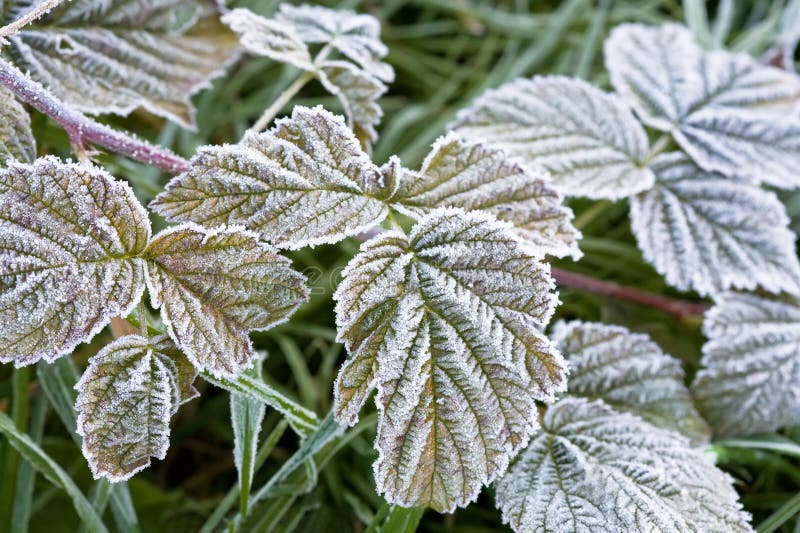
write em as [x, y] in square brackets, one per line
[677, 308]
[82, 129]
[38, 11]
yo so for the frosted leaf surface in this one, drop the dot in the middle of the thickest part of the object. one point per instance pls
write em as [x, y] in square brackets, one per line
[113, 56]
[355, 36]
[305, 182]
[475, 177]
[594, 469]
[69, 234]
[445, 323]
[707, 232]
[588, 139]
[213, 286]
[730, 113]
[630, 373]
[752, 364]
[269, 38]
[126, 397]
[16, 137]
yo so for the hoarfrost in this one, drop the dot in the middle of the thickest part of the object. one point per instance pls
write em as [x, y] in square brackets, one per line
[16, 137]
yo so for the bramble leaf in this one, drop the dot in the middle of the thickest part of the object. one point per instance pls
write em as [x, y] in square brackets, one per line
[267, 37]
[594, 469]
[69, 237]
[16, 138]
[213, 286]
[125, 400]
[305, 182]
[475, 177]
[445, 322]
[728, 112]
[707, 232]
[113, 56]
[630, 373]
[588, 139]
[752, 364]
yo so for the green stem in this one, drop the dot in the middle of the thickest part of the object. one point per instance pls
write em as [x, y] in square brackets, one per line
[781, 516]
[659, 146]
[403, 520]
[19, 416]
[269, 113]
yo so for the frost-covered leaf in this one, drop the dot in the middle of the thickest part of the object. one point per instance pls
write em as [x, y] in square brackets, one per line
[69, 236]
[629, 372]
[594, 469]
[355, 36]
[752, 364]
[588, 139]
[16, 138]
[270, 38]
[247, 415]
[445, 322]
[113, 56]
[125, 400]
[213, 286]
[305, 182]
[708, 232]
[475, 177]
[730, 113]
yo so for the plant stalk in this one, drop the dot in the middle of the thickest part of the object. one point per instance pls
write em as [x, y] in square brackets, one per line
[35, 13]
[269, 113]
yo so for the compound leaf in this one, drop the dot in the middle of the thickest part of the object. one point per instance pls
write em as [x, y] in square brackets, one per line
[267, 37]
[588, 139]
[305, 182]
[213, 286]
[594, 469]
[114, 56]
[476, 177]
[16, 138]
[752, 364]
[708, 232]
[719, 106]
[69, 237]
[630, 373]
[126, 397]
[445, 322]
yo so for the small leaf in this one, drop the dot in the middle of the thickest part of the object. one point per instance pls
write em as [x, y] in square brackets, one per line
[213, 286]
[588, 139]
[267, 37]
[475, 177]
[305, 182]
[69, 237]
[707, 232]
[752, 364]
[630, 373]
[446, 323]
[247, 415]
[125, 400]
[16, 137]
[594, 469]
[731, 114]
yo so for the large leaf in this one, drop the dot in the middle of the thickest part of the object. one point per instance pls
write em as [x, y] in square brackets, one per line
[586, 138]
[708, 232]
[113, 56]
[69, 237]
[269, 38]
[305, 182]
[126, 397]
[475, 177]
[752, 364]
[445, 322]
[629, 372]
[16, 137]
[594, 469]
[720, 107]
[213, 286]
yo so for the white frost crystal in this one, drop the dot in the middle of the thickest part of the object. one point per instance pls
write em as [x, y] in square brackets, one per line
[16, 137]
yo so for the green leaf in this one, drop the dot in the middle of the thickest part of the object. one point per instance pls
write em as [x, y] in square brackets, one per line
[16, 138]
[247, 415]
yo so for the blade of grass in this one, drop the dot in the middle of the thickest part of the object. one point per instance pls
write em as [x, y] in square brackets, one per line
[784, 513]
[773, 443]
[247, 414]
[26, 474]
[403, 520]
[19, 417]
[302, 377]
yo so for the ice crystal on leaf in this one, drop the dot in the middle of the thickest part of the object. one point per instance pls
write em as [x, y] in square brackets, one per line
[752, 364]
[69, 237]
[630, 373]
[588, 139]
[730, 113]
[592, 468]
[126, 397]
[113, 56]
[269, 38]
[305, 182]
[445, 323]
[475, 177]
[708, 232]
[16, 138]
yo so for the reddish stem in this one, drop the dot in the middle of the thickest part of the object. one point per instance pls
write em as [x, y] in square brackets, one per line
[82, 129]
[673, 306]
